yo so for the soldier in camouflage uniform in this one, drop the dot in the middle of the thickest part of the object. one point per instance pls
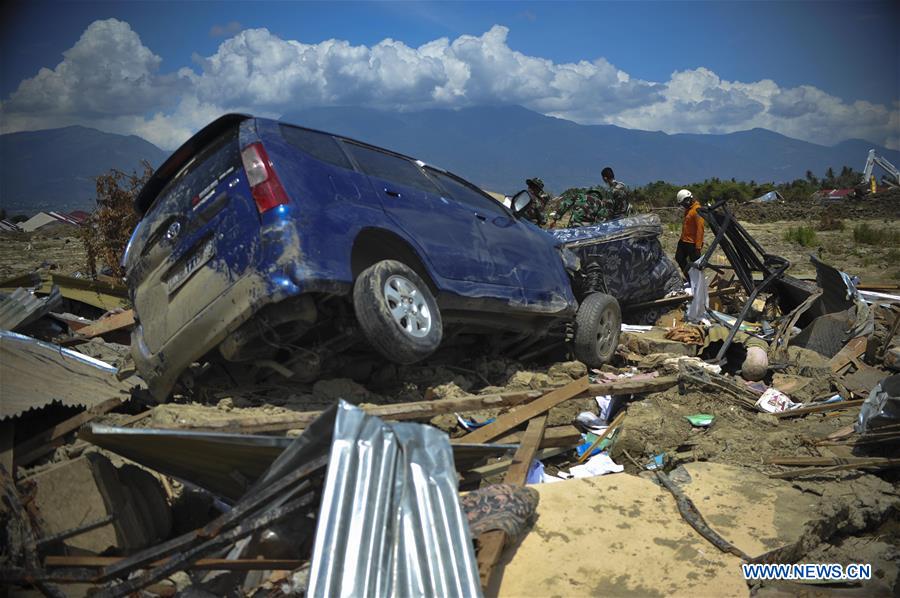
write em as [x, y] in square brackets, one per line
[539, 198]
[586, 205]
[619, 204]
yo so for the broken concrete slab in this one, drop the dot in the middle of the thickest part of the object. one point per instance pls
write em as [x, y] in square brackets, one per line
[89, 489]
[589, 534]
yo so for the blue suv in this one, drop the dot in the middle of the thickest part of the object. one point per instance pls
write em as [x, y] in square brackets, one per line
[266, 242]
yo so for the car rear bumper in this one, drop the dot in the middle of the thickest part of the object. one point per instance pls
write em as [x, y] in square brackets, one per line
[200, 335]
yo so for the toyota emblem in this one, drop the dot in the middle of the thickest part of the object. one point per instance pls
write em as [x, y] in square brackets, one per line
[173, 231]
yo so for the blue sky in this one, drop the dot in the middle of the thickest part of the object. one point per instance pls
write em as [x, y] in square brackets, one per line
[822, 71]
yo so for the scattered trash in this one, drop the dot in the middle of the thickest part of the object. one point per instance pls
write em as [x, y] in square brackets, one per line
[775, 401]
[600, 464]
[700, 420]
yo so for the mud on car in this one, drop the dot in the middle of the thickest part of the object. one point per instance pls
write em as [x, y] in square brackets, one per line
[260, 240]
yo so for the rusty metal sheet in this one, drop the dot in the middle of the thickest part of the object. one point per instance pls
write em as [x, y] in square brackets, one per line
[22, 307]
[34, 373]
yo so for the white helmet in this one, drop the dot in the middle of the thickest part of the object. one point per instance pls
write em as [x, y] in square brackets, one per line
[682, 196]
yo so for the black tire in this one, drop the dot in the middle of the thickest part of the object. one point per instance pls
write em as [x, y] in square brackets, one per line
[412, 335]
[597, 326]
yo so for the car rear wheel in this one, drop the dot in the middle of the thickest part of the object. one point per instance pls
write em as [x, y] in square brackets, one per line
[597, 326]
[397, 312]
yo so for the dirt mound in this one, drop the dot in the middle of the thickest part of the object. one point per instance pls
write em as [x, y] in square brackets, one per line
[884, 205]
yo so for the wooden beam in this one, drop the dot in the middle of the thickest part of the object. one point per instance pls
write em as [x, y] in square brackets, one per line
[609, 430]
[420, 410]
[850, 352]
[572, 390]
[531, 441]
[39, 445]
[112, 323]
[492, 542]
[565, 436]
[510, 420]
[97, 562]
[863, 464]
[799, 461]
[836, 406]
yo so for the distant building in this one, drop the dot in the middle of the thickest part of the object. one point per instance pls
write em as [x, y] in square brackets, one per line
[79, 216]
[44, 218]
[767, 197]
[9, 227]
[834, 194]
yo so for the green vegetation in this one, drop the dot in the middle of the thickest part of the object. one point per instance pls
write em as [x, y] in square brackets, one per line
[662, 194]
[804, 235]
[869, 235]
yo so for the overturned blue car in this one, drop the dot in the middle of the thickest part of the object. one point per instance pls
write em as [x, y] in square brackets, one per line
[261, 240]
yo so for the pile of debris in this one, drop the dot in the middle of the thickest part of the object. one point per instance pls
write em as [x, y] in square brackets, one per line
[755, 420]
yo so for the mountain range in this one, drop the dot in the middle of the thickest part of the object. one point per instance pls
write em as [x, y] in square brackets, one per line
[54, 169]
[496, 147]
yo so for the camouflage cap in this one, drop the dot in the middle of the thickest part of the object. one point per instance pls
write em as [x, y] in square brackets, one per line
[535, 182]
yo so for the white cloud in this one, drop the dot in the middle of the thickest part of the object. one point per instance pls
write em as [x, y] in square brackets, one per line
[110, 80]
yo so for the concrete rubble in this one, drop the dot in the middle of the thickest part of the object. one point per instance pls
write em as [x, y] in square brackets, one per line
[756, 421]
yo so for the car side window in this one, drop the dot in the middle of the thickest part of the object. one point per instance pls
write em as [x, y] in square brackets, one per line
[391, 167]
[466, 194]
[319, 145]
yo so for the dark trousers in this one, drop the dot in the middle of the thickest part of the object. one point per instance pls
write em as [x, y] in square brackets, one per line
[686, 254]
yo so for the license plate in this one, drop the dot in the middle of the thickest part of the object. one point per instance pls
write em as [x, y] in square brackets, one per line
[192, 265]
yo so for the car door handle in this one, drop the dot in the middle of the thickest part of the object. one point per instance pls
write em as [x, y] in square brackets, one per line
[392, 193]
[480, 217]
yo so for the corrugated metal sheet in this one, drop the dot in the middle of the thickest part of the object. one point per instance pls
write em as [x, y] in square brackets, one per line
[223, 463]
[22, 307]
[34, 374]
[390, 523]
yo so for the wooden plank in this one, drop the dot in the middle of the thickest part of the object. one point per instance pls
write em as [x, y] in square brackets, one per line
[851, 351]
[863, 464]
[555, 436]
[574, 389]
[609, 430]
[531, 440]
[39, 445]
[510, 420]
[97, 562]
[114, 322]
[799, 461]
[820, 408]
[498, 467]
[492, 542]
[428, 409]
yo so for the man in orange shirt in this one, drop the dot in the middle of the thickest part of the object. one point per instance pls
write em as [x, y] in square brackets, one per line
[691, 241]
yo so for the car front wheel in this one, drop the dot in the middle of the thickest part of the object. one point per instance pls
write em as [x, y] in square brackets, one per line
[597, 326]
[397, 312]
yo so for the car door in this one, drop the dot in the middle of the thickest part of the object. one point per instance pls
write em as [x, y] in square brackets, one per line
[450, 237]
[523, 256]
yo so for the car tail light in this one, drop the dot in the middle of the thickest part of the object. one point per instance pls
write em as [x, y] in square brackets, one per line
[267, 190]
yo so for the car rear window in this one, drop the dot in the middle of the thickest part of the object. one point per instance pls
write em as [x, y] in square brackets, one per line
[319, 145]
[466, 194]
[202, 172]
[392, 168]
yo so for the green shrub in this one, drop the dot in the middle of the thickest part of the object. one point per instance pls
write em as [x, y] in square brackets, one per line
[863, 233]
[804, 235]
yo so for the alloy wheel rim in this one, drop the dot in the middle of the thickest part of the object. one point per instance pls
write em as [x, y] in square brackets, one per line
[408, 306]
